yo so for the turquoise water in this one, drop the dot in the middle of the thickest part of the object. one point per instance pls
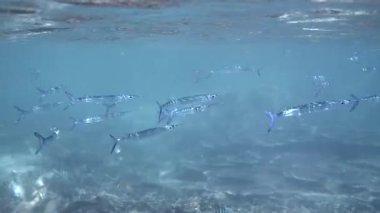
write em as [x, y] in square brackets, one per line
[256, 56]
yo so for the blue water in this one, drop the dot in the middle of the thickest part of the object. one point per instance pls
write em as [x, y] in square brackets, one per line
[219, 160]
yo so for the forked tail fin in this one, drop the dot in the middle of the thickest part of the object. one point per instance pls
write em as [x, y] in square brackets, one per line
[43, 92]
[159, 112]
[259, 71]
[115, 142]
[71, 98]
[22, 112]
[41, 140]
[273, 118]
[356, 102]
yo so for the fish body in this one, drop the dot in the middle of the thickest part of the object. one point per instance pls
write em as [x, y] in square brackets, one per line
[142, 134]
[46, 106]
[375, 98]
[96, 119]
[36, 108]
[101, 99]
[107, 100]
[183, 112]
[148, 132]
[166, 109]
[311, 108]
[44, 140]
[88, 120]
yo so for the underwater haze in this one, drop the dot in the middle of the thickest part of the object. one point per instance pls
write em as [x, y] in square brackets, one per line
[175, 106]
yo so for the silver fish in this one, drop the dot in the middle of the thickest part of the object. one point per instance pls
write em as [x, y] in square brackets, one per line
[375, 98]
[183, 112]
[311, 108]
[166, 109]
[106, 100]
[96, 119]
[44, 140]
[36, 108]
[142, 134]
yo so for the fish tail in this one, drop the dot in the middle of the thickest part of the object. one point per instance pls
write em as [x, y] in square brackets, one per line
[71, 98]
[22, 112]
[272, 120]
[43, 92]
[159, 112]
[70, 95]
[356, 102]
[41, 140]
[258, 71]
[115, 142]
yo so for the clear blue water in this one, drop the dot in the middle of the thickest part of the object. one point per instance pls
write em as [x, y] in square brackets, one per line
[219, 160]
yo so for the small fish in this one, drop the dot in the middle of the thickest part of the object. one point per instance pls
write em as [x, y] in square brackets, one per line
[36, 108]
[311, 108]
[142, 134]
[183, 112]
[44, 140]
[49, 91]
[106, 100]
[96, 119]
[166, 109]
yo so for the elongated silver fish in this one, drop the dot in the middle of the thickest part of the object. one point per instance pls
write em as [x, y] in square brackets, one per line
[311, 108]
[183, 112]
[166, 109]
[44, 140]
[106, 100]
[96, 119]
[36, 108]
[142, 134]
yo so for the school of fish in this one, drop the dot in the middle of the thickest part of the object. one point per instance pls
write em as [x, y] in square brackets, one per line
[173, 110]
